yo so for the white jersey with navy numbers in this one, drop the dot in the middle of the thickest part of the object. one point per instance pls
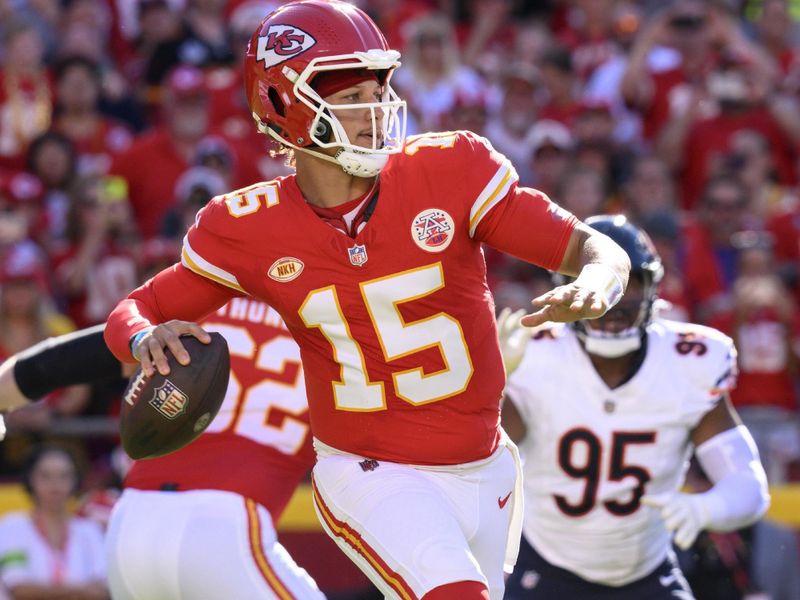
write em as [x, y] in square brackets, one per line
[591, 452]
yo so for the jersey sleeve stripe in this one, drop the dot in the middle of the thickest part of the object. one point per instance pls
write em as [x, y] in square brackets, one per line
[196, 263]
[494, 192]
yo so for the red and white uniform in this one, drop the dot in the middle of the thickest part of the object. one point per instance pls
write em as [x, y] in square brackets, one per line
[242, 471]
[396, 327]
[399, 345]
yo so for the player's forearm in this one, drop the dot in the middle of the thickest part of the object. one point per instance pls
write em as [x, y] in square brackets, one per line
[10, 395]
[600, 264]
[740, 495]
[72, 359]
[588, 246]
[175, 293]
[736, 501]
[128, 318]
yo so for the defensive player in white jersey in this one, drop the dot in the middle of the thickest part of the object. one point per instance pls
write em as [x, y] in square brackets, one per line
[607, 414]
[198, 524]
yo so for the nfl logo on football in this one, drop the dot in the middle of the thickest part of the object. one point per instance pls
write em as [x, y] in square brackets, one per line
[169, 400]
[358, 254]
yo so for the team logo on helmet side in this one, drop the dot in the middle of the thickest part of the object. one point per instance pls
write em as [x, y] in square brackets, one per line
[432, 230]
[169, 400]
[282, 42]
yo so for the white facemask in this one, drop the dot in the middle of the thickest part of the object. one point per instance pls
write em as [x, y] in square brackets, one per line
[388, 114]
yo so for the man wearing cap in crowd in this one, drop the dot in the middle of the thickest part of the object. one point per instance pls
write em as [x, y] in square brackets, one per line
[549, 144]
[157, 159]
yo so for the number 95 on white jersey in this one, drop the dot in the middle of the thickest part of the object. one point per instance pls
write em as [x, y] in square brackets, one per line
[592, 452]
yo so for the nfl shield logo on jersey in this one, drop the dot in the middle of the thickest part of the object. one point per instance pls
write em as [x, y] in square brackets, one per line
[169, 400]
[358, 254]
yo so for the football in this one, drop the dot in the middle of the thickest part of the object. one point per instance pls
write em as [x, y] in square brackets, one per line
[163, 413]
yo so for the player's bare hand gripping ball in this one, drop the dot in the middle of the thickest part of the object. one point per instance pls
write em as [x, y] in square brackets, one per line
[148, 346]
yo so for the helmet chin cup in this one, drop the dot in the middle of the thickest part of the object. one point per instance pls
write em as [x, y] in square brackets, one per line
[361, 164]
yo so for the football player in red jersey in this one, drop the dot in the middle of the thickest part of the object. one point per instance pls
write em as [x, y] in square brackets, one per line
[199, 523]
[372, 255]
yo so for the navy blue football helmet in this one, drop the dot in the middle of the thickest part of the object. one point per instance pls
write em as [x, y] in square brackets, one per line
[645, 266]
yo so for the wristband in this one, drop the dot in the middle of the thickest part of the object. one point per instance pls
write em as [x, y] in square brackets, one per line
[136, 339]
[601, 279]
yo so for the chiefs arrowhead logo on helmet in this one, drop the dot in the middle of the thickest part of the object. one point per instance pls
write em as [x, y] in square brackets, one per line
[282, 42]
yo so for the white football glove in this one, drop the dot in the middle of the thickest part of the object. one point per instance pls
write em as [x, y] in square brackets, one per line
[684, 515]
[513, 338]
[2, 428]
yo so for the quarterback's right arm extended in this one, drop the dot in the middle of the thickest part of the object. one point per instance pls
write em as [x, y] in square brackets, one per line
[176, 295]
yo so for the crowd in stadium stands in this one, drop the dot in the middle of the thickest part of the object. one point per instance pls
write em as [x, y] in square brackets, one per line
[118, 120]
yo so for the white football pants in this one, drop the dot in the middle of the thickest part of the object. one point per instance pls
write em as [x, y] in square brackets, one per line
[198, 545]
[411, 529]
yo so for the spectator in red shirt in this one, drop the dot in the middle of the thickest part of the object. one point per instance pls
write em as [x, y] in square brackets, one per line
[95, 266]
[53, 159]
[697, 31]
[96, 138]
[510, 124]
[775, 32]
[561, 86]
[154, 162]
[28, 315]
[21, 214]
[785, 228]
[649, 189]
[26, 97]
[740, 93]
[766, 326]
[589, 35]
[709, 256]
[582, 191]
[750, 158]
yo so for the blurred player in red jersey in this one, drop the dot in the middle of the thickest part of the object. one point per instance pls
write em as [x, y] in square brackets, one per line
[372, 255]
[199, 523]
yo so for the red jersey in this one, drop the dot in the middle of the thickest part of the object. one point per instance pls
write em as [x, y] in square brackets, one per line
[151, 166]
[259, 445]
[396, 326]
[97, 150]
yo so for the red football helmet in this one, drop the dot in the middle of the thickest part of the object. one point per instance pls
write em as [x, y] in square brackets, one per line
[289, 49]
